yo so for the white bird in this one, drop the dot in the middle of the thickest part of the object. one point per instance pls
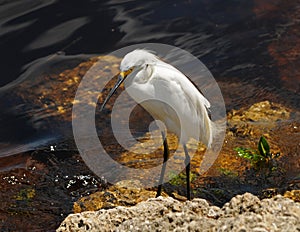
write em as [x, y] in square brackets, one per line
[169, 96]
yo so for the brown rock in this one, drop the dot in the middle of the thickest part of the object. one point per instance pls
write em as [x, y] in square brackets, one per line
[123, 193]
[294, 195]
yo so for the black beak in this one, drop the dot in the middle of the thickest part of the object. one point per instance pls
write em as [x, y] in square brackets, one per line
[120, 80]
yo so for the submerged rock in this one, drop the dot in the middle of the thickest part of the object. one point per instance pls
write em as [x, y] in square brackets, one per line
[243, 213]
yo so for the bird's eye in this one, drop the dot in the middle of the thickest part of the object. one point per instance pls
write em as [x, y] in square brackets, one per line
[128, 71]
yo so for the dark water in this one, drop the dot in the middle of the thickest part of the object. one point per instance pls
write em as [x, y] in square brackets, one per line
[251, 45]
[233, 39]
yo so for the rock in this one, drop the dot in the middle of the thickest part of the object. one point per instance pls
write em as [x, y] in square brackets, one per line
[257, 119]
[260, 112]
[123, 193]
[294, 195]
[243, 213]
[242, 204]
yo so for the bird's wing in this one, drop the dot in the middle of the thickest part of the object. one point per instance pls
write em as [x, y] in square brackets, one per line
[175, 87]
[171, 86]
[182, 82]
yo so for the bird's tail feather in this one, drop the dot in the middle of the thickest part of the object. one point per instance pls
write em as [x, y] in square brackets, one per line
[216, 133]
[215, 139]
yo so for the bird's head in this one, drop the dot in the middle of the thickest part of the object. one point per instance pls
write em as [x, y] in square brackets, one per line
[131, 64]
[137, 59]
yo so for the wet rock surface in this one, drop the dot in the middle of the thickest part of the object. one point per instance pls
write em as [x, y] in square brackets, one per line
[40, 193]
[123, 193]
[243, 213]
[294, 195]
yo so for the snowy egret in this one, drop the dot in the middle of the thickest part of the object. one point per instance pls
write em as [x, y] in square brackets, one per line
[148, 77]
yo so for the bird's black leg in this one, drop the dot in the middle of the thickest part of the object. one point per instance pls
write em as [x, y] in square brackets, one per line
[163, 169]
[187, 168]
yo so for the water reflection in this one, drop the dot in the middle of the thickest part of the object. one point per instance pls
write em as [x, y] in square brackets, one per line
[34, 105]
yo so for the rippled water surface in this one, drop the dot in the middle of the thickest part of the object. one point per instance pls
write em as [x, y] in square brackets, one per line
[251, 47]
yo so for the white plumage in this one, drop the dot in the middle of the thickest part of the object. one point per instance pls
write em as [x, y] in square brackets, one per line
[169, 96]
[151, 78]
